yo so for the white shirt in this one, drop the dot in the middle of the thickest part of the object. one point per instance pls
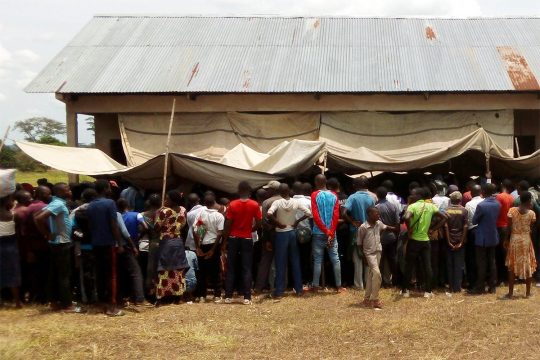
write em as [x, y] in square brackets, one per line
[471, 208]
[442, 202]
[394, 199]
[306, 201]
[214, 222]
[190, 219]
[285, 210]
[7, 228]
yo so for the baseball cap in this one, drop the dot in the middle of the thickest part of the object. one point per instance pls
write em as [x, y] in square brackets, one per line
[272, 185]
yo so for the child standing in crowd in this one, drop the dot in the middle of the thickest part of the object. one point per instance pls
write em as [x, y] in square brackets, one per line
[369, 242]
[520, 258]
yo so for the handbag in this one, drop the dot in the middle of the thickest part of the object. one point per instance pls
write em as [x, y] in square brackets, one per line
[303, 235]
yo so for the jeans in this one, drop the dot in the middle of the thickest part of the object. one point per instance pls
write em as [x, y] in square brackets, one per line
[209, 269]
[131, 273]
[59, 289]
[318, 246]
[244, 248]
[485, 261]
[285, 247]
[106, 282]
[267, 256]
[455, 260]
[373, 278]
[418, 249]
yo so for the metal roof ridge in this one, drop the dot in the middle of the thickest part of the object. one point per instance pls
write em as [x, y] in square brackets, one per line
[279, 16]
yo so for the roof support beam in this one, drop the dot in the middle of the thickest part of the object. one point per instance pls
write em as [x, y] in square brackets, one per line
[111, 103]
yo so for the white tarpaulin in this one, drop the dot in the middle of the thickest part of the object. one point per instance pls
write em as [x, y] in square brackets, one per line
[219, 150]
[82, 161]
[211, 136]
[345, 131]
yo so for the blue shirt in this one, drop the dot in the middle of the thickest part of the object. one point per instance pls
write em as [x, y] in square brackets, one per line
[485, 216]
[132, 220]
[101, 212]
[357, 204]
[60, 223]
[325, 202]
[191, 276]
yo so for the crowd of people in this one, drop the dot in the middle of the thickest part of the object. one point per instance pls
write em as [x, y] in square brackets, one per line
[93, 243]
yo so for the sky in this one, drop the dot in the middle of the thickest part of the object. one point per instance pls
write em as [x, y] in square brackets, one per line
[33, 31]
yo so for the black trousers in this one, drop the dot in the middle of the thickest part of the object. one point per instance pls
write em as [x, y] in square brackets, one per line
[35, 276]
[418, 250]
[59, 289]
[389, 256]
[106, 282]
[265, 264]
[485, 262]
[130, 275]
[243, 249]
[470, 259]
[500, 256]
[209, 270]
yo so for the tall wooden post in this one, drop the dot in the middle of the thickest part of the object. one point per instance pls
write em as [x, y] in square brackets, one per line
[72, 136]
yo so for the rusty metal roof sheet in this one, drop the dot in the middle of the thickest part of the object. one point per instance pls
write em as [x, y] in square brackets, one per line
[162, 54]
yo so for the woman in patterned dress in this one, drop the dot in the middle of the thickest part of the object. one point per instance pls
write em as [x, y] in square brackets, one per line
[520, 258]
[172, 262]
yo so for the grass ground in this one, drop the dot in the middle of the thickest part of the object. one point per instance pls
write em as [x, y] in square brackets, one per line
[54, 176]
[316, 326]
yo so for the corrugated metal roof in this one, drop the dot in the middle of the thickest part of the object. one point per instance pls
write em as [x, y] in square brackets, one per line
[161, 54]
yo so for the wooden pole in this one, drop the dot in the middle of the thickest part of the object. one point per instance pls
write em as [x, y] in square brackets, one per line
[166, 166]
[517, 146]
[5, 138]
[324, 162]
[487, 163]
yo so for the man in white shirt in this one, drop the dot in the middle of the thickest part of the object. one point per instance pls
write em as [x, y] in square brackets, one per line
[440, 199]
[470, 257]
[207, 232]
[283, 214]
[195, 209]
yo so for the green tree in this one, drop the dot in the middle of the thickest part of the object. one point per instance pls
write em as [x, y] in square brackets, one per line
[40, 127]
[50, 140]
[91, 125]
[8, 157]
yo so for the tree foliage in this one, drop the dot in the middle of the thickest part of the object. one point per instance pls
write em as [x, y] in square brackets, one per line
[91, 126]
[36, 128]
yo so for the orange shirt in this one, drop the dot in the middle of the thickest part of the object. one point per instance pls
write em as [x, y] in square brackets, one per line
[507, 201]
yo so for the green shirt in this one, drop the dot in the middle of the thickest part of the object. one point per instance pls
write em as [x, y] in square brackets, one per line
[422, 212]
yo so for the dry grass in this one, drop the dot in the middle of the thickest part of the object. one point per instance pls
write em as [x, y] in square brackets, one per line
[317, 326]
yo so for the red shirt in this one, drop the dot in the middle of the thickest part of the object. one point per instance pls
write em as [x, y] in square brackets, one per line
[242, 214]
[466, 198]
[507, 201]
